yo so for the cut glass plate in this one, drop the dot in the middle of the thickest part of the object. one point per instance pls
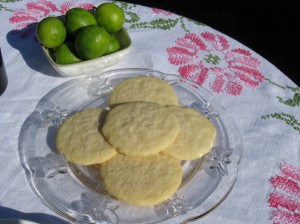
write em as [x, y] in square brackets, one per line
[76, 192]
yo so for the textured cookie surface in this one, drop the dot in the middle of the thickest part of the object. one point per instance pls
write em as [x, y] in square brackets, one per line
[141, 180]
[80, 140]
[140, 128]
[143, 88]
[196, 135]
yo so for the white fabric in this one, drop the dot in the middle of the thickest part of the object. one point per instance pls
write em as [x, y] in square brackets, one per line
[267, 142]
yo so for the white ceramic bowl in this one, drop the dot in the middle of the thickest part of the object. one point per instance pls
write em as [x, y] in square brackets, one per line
[91, 67]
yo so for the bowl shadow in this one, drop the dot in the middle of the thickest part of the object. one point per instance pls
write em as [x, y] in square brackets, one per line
[25, 41]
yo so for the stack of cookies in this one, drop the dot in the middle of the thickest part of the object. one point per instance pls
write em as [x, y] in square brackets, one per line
[137, 144]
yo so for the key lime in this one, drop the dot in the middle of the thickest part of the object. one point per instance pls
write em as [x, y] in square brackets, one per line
[66, 54]
[110, 16]
[51, 32]
[113, 46]
[91, 42]
[77, 18]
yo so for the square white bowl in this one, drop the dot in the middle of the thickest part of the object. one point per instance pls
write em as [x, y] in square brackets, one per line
[92, 66]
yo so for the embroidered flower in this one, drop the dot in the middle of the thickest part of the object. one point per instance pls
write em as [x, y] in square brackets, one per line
[161, 11]
[207, 58]
[35, 11]
[285, 197]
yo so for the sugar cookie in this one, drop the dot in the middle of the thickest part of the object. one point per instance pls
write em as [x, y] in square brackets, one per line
[196, 135]
[140, 128]
[141, 180]
[80, 140]
[143, 88]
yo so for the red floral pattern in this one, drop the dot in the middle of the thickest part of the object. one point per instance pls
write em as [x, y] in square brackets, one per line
[285, 199]
[35, 11]
[161, 11]
[207, 58]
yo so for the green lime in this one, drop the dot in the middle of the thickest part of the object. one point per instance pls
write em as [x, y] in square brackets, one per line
[113, 46]
[110, 16]
[51, 32]
[77, 18]
[66, 54]
[91, 42]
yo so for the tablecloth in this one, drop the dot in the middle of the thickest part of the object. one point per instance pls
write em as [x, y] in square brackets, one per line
[261, 99]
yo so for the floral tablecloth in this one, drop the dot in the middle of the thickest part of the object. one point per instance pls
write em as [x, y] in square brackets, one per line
[264, 103]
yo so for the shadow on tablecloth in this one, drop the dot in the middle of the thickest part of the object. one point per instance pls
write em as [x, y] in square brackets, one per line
[8, 213]
[26, 42]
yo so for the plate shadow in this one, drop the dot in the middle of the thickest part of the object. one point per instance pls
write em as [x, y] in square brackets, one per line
[8, 213]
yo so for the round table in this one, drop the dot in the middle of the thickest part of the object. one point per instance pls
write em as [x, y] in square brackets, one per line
[262, 100]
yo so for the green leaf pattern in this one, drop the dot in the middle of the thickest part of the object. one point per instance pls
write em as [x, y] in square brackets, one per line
[292, 102]
[164, 24]
[134, 20]
[2, 7]
[287, 118]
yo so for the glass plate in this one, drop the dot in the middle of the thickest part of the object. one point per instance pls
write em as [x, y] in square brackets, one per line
[76, 193]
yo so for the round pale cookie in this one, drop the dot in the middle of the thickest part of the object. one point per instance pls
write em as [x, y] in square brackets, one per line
[80, 141]
[196, 135]
[140, 128]
[143, 88]
[141, 180]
